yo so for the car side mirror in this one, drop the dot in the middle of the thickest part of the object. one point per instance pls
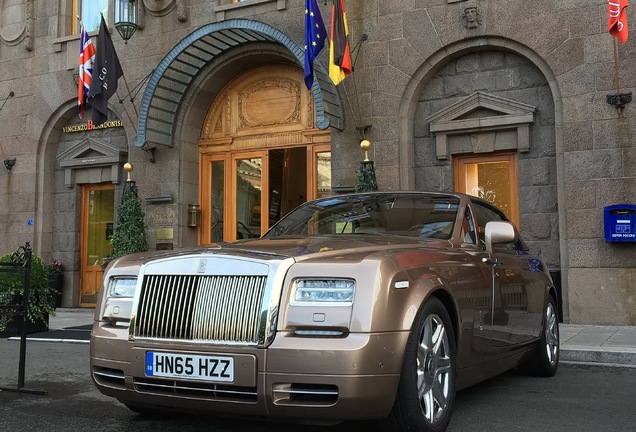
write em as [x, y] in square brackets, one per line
[499, 232]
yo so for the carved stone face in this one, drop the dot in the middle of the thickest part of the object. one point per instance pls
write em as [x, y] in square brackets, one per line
[471, 14]
[471, 17]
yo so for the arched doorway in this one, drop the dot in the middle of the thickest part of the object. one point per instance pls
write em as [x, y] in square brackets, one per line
[261, 154]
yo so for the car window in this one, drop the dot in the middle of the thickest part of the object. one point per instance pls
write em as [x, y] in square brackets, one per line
[485, 214]
[468, 233]
[414, 215]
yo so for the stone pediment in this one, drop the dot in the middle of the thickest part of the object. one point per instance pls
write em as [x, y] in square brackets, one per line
[480, 114]
[90, 154]
[481, 110]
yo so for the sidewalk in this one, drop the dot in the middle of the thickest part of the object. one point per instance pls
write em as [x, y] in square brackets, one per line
[579, 343]
[598, 344]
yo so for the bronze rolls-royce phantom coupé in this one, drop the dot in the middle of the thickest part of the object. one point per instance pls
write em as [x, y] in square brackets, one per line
[360, 306]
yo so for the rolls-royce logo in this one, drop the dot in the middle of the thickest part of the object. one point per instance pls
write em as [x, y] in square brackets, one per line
[202, 264]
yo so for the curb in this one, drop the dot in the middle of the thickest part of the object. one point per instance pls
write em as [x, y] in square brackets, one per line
[582, 354]
[29, 339]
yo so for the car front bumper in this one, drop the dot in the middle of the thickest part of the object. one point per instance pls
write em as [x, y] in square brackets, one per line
[329, 379]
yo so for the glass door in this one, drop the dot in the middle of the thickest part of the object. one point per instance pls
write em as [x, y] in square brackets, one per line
[320, 172]
[97, 215]
[213, 208]
[244, 193]
[248, 185]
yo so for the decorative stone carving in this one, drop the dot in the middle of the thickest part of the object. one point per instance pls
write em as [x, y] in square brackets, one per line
[471, 15]
[266, 100]
[16, 22]
[163, 7]
[30, 23]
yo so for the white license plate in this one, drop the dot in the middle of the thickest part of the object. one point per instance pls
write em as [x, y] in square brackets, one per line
[199, 367]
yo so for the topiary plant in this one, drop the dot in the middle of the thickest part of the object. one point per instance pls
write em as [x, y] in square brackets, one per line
[12, 291]
[129, 235]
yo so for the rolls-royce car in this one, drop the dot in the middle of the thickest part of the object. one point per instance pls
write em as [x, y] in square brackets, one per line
[375, 305]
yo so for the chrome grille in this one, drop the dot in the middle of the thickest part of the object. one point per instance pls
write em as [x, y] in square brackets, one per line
[218, 309]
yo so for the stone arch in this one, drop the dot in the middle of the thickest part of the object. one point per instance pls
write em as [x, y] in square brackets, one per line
[176, 73]
[47, 183]
[439, 59]
[429, 69]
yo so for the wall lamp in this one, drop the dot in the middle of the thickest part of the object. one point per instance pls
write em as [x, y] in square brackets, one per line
[126, 18]
[9, 163]
[193, 215]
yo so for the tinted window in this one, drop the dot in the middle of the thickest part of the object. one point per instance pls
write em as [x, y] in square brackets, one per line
[423, 216]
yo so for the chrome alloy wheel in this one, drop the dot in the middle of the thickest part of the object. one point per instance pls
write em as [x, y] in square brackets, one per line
[433, 369]
[551, 334]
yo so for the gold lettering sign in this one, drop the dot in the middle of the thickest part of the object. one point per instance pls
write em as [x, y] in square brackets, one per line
[89, 126]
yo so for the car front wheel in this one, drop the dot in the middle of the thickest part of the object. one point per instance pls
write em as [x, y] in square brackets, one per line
[426, 393]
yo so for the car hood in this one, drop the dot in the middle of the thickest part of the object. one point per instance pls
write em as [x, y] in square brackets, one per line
[304, 248]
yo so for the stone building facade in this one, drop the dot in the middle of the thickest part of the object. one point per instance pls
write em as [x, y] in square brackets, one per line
[436, 85]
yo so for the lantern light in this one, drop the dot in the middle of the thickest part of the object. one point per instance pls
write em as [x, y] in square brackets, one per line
[126, 18]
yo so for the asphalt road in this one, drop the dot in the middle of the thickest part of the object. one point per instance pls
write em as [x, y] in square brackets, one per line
[579, 398]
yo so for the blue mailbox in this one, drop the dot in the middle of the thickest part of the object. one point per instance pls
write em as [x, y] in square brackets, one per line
[620, 223]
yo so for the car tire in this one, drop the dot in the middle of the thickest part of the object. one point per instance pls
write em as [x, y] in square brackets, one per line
[545, 359]
[426, 392]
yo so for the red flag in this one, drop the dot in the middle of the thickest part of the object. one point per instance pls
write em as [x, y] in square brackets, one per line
[617, 19]
[339, 54]
[86, 61]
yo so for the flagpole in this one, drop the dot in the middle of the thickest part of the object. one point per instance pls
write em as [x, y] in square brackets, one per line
[121, 101]
[129, 95]
[616, 66]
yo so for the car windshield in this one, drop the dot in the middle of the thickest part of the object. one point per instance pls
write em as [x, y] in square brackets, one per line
[413, 215]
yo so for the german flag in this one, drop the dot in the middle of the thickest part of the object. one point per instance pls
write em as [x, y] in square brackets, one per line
[339, 53]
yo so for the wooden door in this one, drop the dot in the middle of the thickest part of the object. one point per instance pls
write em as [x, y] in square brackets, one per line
[97, 214]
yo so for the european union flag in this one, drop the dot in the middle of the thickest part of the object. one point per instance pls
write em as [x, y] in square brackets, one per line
[315, 36]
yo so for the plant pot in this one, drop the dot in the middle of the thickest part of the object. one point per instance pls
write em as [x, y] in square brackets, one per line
[56, 283]
[13, 327]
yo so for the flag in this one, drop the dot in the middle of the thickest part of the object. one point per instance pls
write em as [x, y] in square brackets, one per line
[315, 36]
[339, 55]
[617, 19]
[86, 61]
[107, 71]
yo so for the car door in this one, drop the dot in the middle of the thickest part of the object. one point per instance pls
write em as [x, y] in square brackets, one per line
[510, 318]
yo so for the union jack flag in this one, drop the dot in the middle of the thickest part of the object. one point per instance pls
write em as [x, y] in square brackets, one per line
[86, 61]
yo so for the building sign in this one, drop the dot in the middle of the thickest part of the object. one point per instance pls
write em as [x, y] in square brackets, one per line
[89, 126]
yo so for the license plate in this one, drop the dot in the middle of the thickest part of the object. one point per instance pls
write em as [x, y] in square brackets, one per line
[199, 367]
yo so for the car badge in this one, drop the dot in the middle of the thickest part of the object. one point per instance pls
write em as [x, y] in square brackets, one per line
[202, 265]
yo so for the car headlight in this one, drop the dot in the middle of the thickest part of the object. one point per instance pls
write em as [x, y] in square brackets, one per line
[119, 300]
[121, 287]
[331, 291]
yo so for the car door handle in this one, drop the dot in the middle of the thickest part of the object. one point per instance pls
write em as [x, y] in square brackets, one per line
[493, 261]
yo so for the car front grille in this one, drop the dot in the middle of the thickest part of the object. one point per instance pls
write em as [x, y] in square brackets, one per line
[213, 309]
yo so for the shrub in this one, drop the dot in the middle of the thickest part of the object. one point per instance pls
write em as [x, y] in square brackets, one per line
[130, 233]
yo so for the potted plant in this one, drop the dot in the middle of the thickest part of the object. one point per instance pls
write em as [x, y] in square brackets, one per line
[129, 235]
[12, 292]
[56, 282]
